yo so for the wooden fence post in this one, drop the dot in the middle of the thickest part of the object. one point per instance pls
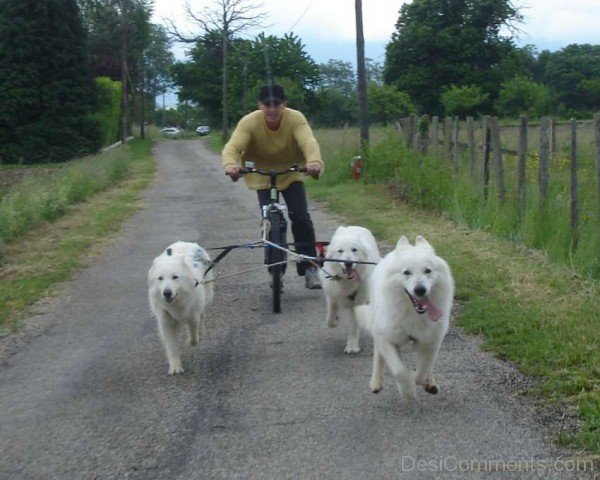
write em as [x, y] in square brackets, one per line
[424, 134]
[456, 146]
[471, 145]
[574, 202]
[545, 126]
[499, 166]
[522, 166]
[413, 132]
[553, 138]
[485, 147]
[448, 138]
[435, 134]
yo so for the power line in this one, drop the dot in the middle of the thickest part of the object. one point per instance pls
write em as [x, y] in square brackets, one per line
[302, 15]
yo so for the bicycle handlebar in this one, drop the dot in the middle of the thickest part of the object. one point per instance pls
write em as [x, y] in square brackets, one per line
[293, 168]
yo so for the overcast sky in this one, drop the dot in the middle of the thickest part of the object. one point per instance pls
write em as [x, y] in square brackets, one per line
[327, 27]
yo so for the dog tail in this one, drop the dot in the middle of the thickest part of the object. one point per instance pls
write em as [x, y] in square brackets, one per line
[364, 316]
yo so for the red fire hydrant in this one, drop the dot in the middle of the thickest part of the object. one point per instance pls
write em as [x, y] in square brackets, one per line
[356, 167]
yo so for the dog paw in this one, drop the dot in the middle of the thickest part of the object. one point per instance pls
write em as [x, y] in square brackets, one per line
[431, 388]
[409, 393]
[175, 370]
[352, 349]
[375, 387]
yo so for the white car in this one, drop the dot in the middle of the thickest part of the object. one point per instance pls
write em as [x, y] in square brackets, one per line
[203, 130]
[170, 131]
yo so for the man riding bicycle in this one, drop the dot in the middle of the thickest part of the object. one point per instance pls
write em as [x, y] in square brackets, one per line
[276, 137]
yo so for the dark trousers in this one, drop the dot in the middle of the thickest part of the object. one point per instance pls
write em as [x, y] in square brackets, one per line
[302, 226]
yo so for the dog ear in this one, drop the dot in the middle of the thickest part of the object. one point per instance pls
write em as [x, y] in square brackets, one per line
[403, 242]
[339, 229]
[422, 242]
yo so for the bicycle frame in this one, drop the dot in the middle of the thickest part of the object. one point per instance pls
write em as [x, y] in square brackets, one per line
[274, 229]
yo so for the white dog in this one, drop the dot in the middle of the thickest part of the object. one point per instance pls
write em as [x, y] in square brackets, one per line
[410, 301]
[345, 283]
[179, 293]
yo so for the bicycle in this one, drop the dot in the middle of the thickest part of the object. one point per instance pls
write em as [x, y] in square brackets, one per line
[274, 230]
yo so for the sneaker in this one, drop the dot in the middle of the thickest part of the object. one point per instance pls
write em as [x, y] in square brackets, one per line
[312, 280]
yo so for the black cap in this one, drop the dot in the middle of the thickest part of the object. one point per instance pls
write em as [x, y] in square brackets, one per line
[271, 93]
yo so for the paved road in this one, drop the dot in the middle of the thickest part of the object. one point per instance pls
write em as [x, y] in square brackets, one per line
[84, 392]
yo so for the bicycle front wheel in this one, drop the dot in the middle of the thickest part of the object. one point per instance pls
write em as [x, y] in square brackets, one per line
[277, 235]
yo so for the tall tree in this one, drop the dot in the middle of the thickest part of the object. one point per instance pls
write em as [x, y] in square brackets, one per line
[46, 90]
[438, 43]
[570, 72]
[157, 61]
[251, 63]
[118, 34]
[228, 17]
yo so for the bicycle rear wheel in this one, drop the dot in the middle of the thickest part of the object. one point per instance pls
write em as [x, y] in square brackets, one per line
[277, 235]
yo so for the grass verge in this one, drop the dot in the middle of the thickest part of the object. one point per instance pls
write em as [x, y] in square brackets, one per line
[38, 257]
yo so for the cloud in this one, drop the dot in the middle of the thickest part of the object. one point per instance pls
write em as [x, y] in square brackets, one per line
[325, 20]
[560, 23]
[334, 19]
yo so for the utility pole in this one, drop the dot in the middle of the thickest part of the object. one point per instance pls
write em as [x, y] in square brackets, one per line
[362, 79]
[124, 47]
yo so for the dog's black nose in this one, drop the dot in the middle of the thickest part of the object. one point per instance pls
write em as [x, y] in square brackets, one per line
[167, 294]
[348, 265]
[420, 290]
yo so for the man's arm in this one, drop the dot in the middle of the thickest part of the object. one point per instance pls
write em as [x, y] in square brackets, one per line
[231, 157]
[310, 147]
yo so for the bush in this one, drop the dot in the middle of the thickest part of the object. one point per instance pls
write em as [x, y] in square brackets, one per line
[108, 109]
[521, 95]
[463, 101]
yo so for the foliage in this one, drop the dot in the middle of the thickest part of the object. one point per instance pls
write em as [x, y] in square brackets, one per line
[156, 62]
[442, 42]
[568, 73]
[523, 96]
[108, 109]
[386, 103]
[251, 64]
[45, 198]
[46, 90]
[103, 21]
[464, 101]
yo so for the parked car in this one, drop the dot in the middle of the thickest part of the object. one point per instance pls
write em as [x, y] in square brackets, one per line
[170, 131]
[203, 130]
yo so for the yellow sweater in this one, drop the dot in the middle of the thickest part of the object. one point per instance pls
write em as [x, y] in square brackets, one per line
[292, 144]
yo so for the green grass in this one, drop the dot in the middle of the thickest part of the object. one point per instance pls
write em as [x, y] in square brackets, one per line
[81, 206]
[541, 315]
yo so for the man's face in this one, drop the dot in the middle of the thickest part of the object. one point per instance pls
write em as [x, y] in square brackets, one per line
[273, 111]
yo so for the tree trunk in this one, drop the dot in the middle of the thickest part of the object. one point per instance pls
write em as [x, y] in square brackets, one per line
[225, 133]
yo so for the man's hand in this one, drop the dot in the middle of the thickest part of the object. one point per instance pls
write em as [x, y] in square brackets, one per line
[313, 170]
[234, 172]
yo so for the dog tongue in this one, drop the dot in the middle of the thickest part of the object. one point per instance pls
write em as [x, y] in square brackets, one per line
[434, 312]
[356, 276]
